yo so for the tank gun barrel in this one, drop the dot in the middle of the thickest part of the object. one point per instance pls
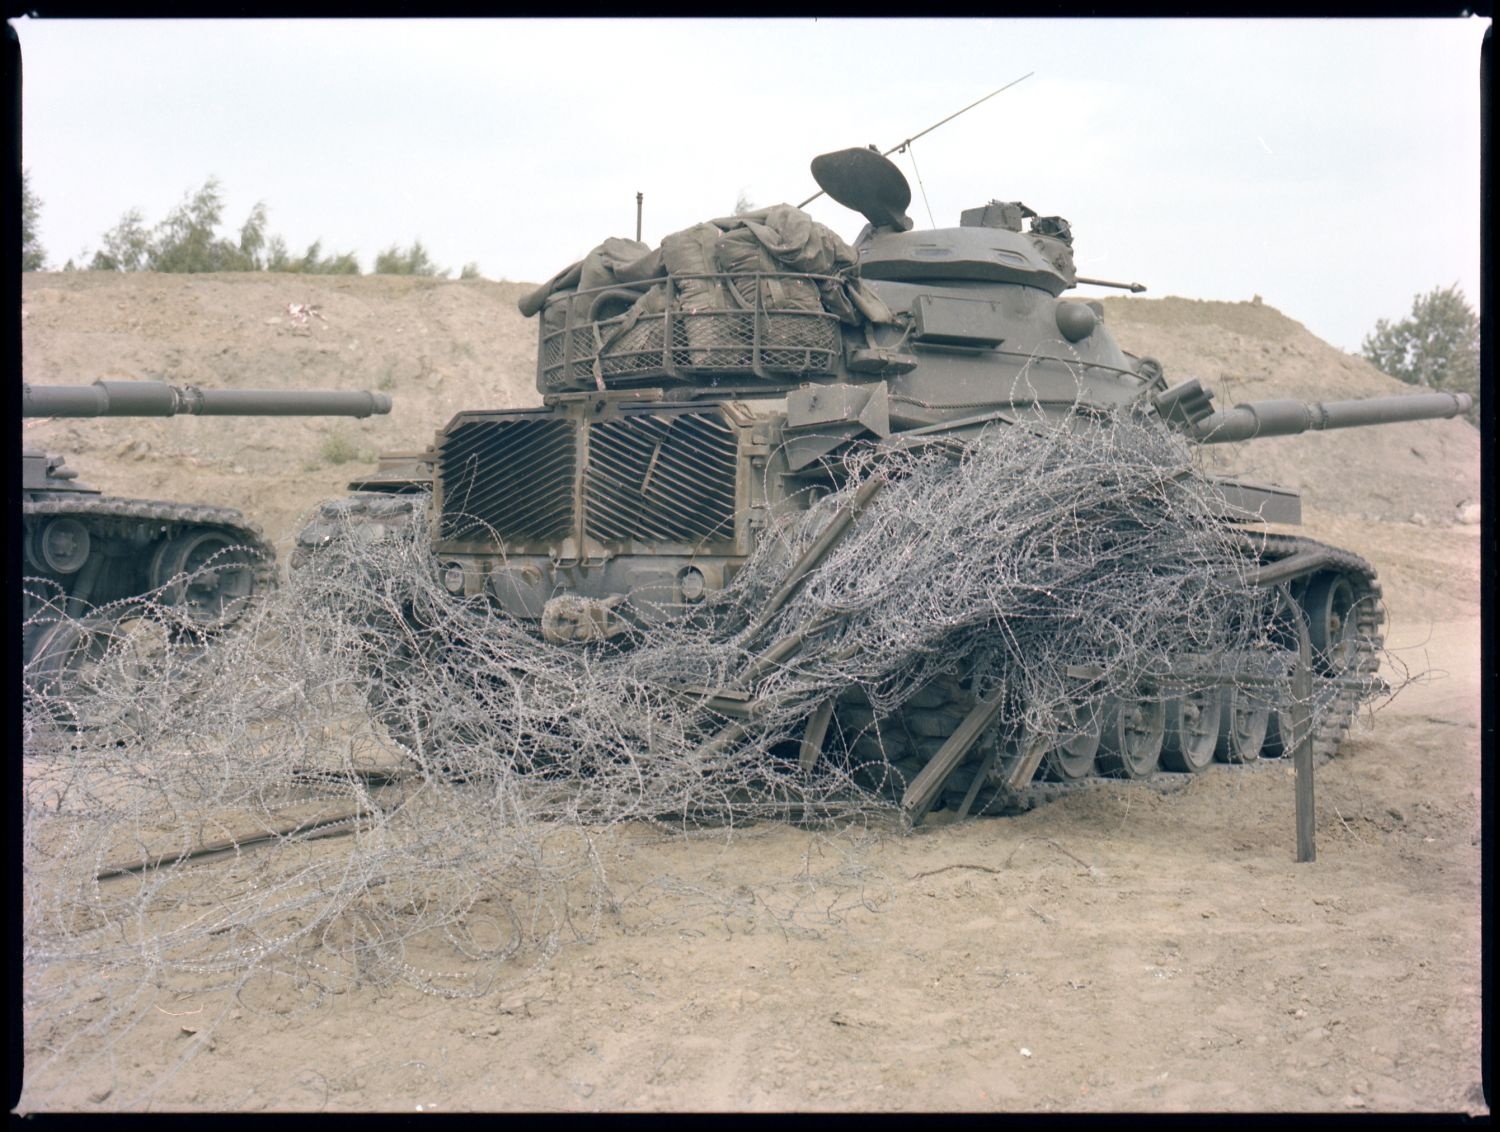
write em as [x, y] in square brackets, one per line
[1286, 418]
[157, 399]
[1133, 288]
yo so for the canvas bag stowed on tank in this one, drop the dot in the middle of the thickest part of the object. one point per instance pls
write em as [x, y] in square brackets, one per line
[786, 239]
[691, 253]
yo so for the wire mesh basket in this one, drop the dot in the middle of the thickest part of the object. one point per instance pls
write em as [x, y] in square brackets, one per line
[577, 351]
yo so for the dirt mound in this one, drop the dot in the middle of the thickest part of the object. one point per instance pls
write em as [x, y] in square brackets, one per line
[438, 346]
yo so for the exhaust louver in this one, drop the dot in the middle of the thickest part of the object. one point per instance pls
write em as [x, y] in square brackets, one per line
[652, 477]
[662, 477]
[509, 478]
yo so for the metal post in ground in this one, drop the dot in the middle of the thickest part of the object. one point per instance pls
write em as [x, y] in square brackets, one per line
[1301, 714]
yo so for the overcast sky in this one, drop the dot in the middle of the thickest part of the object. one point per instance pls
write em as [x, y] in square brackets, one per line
[1330, 166]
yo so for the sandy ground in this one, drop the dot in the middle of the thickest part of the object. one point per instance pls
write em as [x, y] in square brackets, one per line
[1149, 946]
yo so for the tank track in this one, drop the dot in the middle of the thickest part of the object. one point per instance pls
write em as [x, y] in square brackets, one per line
[889, 752]
[98, 509]
[1335, 705]
[66, 633]
[149, 509]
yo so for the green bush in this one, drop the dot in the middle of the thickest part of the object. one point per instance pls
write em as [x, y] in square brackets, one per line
[33, 255]
[311, 263]
[337, 448]
[126, 245]
[1436, 346]
[413, 261]
[188, 240]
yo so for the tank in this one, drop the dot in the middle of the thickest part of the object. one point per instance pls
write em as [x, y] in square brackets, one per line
[690, 391]
[86, 555]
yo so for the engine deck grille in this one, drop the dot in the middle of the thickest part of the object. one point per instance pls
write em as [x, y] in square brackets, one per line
[661, 476]
[510, 477]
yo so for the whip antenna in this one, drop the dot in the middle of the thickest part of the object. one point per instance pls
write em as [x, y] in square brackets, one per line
[902, 146]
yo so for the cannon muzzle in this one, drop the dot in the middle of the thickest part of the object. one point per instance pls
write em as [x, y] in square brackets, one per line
[157, 399]
[1285, 418]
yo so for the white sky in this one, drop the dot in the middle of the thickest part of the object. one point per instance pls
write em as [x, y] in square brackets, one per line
[1330, 166]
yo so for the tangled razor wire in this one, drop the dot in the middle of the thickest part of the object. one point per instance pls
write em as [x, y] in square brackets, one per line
[183, 837]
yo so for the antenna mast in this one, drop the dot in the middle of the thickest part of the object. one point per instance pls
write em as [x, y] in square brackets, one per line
[901, 148]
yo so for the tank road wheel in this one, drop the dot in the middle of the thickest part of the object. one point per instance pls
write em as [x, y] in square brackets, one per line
[1192, 730]
[1278, 733]
[1132, 740]
[1075, 757]
[1331, 622]
[1243, 721]
[61, 546]
[207, 576]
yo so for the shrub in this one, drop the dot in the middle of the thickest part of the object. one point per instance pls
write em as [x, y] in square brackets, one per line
[33, 255]
[337, 448]
[413, 261]
[1436, 346]
[313, 262]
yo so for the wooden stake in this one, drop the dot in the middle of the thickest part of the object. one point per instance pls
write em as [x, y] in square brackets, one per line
[812, 738]
[1307, 849]
[925, 787]
[979, 777]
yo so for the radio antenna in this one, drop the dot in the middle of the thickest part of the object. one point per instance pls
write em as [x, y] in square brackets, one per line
[902, 146]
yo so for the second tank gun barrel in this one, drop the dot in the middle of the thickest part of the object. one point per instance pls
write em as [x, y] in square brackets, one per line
[1286, 418]
[158, 399]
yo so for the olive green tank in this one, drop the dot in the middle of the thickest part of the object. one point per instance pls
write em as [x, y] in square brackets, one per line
[691, 392]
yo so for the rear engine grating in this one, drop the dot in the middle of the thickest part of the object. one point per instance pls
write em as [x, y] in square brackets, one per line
[660, 476]
[509, 478]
